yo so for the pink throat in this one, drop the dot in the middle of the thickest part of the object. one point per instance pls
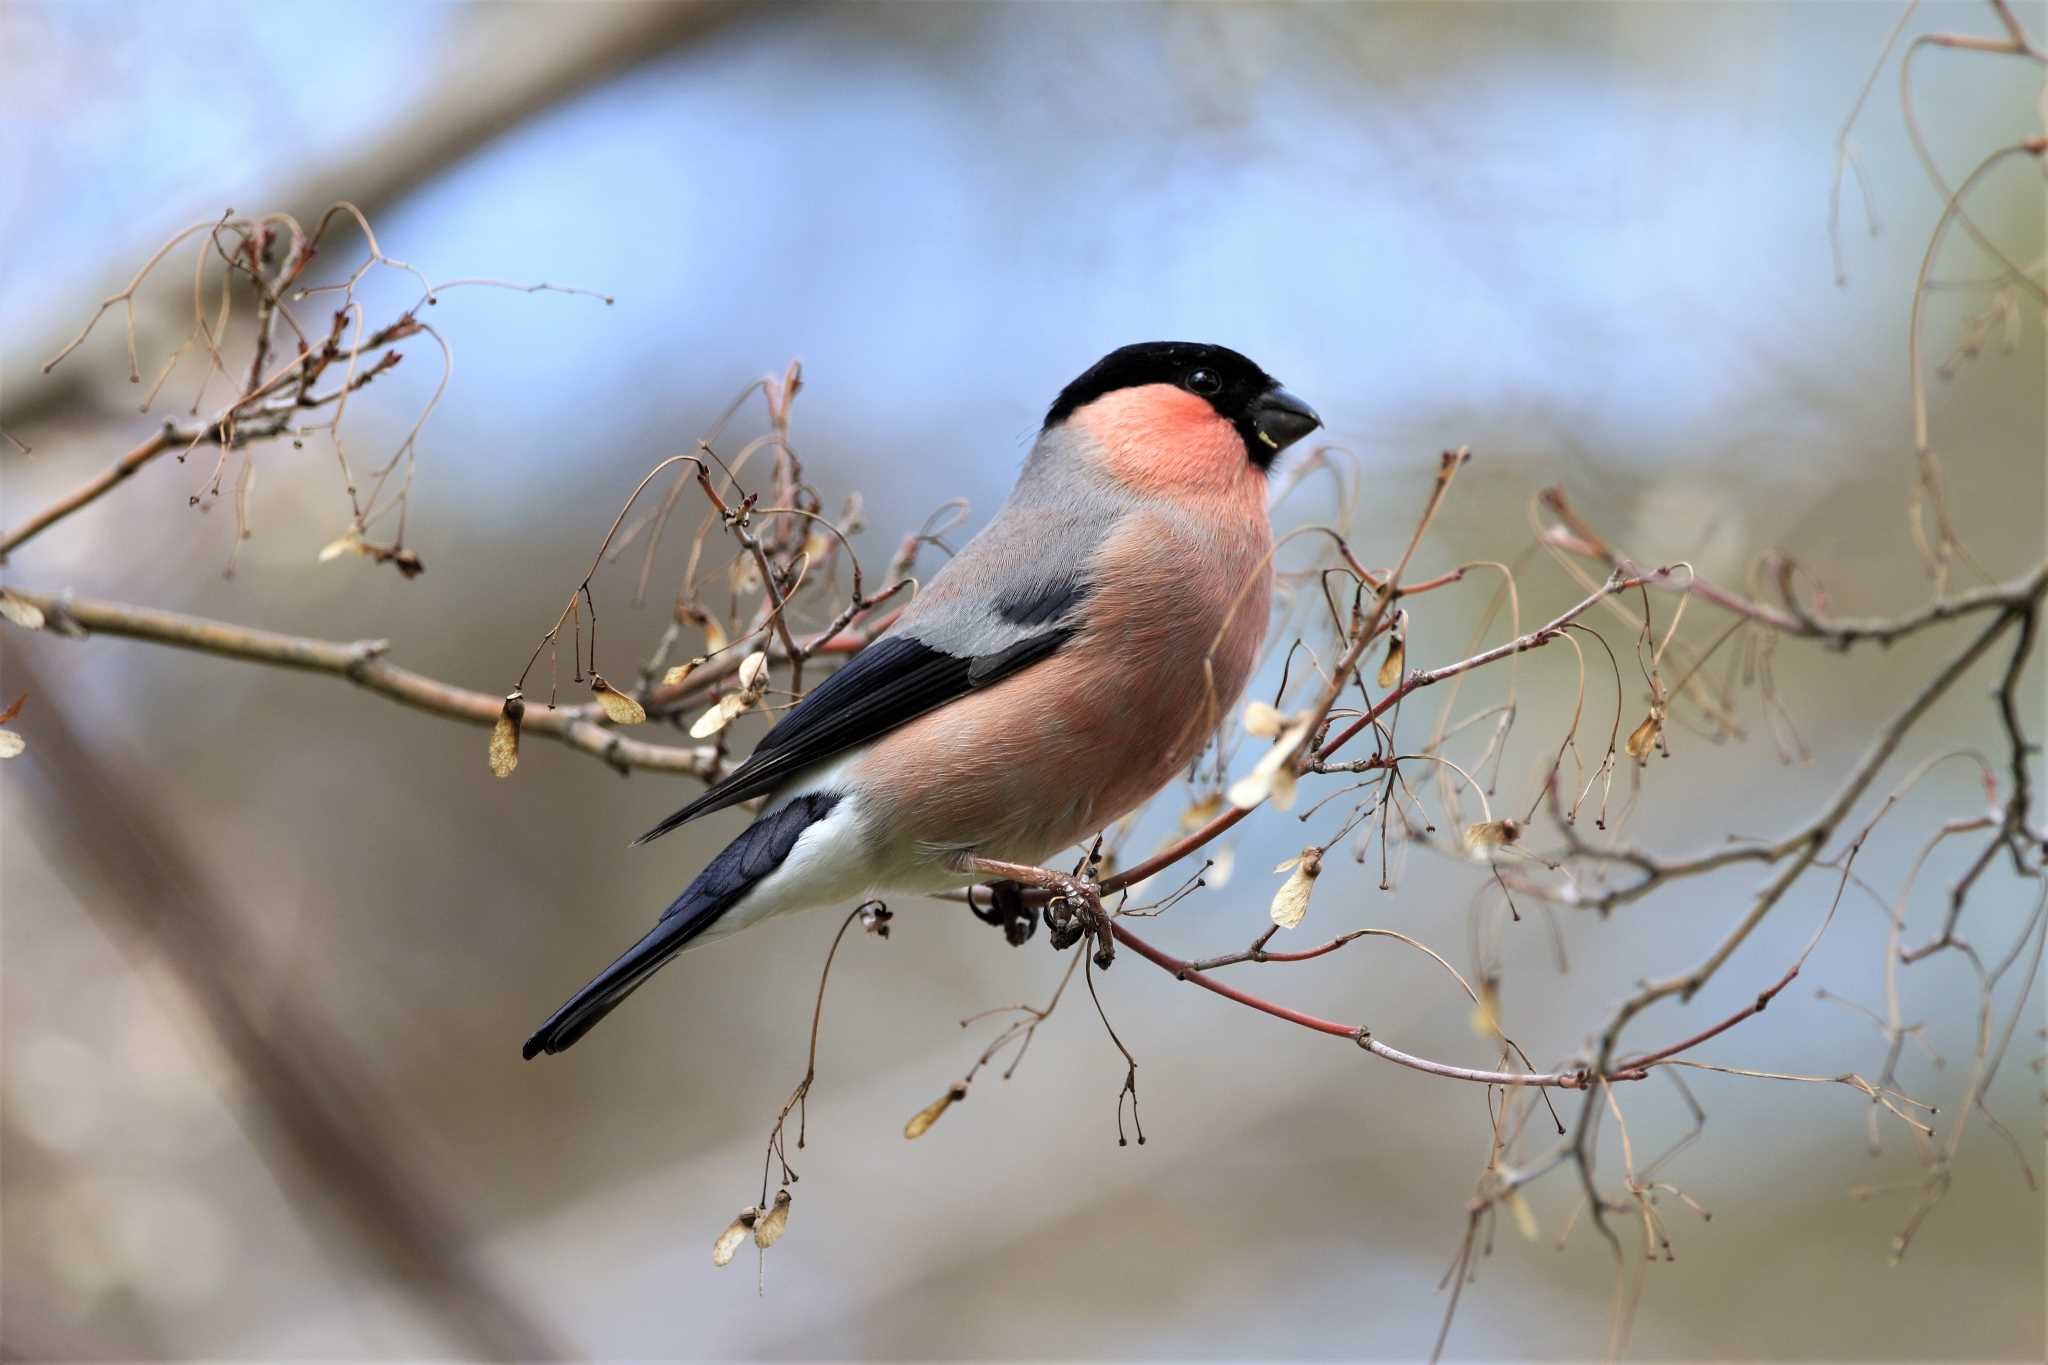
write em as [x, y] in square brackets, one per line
[1161, 439]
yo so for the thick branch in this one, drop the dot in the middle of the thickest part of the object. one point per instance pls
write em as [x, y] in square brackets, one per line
[362, 662]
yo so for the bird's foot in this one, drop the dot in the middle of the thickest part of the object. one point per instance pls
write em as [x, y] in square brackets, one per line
[1073, 910]
[1007, 911]
[1076, 912]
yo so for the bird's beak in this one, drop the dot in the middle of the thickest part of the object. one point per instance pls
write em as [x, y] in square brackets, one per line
[1280, 419]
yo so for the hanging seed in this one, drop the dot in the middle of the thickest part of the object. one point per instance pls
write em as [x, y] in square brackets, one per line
[753, 672]
[1222, 865]
[924, 1118]
[1644, 736]
[1201, 812]
[714, 633]
[1263, 720]
[1486, 1009]
[505, 735]
[1397, 652]
[1290, 902]
[1274, 775]
[20, 611]
[350, 543]
[720, 714]
[619, 708]
[1525, 1217]
[735, 1232]
[769, 1227]
[1481, 839]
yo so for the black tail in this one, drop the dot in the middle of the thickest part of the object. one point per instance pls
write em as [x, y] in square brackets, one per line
[758, 851]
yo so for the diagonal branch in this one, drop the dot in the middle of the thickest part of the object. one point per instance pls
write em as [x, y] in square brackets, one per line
[362, 662]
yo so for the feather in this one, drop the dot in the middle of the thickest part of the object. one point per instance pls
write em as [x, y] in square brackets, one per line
[759, 850]
[894, 680]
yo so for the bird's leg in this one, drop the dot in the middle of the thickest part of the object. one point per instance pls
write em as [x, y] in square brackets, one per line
[1075, 910]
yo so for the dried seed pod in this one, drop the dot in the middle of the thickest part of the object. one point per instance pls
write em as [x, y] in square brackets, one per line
[1397, 652]
[1201, 812]
[1486, 1009]
[720, 714]
[20, 611]
[1274, 775]
[505, 735]
[1486, 836]
[1264, 721]
[753, 672]
[714, 633]
[619, 708]
[929, 1115]
[681, 671]
[735, 1232]
[11, 744]
[1644, 737]
[1222, 865]
[349, 543]
[1525, 1217]
[769, 1227]
[1290, 902]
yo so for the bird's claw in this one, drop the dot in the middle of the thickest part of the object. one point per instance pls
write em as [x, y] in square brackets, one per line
[1076, 912]
[1007, 911]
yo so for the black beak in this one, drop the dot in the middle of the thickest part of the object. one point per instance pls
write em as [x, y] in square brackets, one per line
[1279, 419]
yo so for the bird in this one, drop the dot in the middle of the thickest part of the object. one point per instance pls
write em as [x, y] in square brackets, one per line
[1056, 673]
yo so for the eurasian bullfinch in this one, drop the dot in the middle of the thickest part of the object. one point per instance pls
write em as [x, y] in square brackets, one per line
[1053, 676]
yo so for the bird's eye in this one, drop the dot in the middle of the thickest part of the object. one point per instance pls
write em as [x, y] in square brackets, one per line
[1204, 381]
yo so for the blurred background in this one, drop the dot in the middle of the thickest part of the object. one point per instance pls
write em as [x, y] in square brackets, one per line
[271, 942]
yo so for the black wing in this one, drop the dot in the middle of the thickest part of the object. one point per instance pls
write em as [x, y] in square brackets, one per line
[896, 679]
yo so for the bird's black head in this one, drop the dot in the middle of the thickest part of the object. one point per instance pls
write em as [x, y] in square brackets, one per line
[1267, 416]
